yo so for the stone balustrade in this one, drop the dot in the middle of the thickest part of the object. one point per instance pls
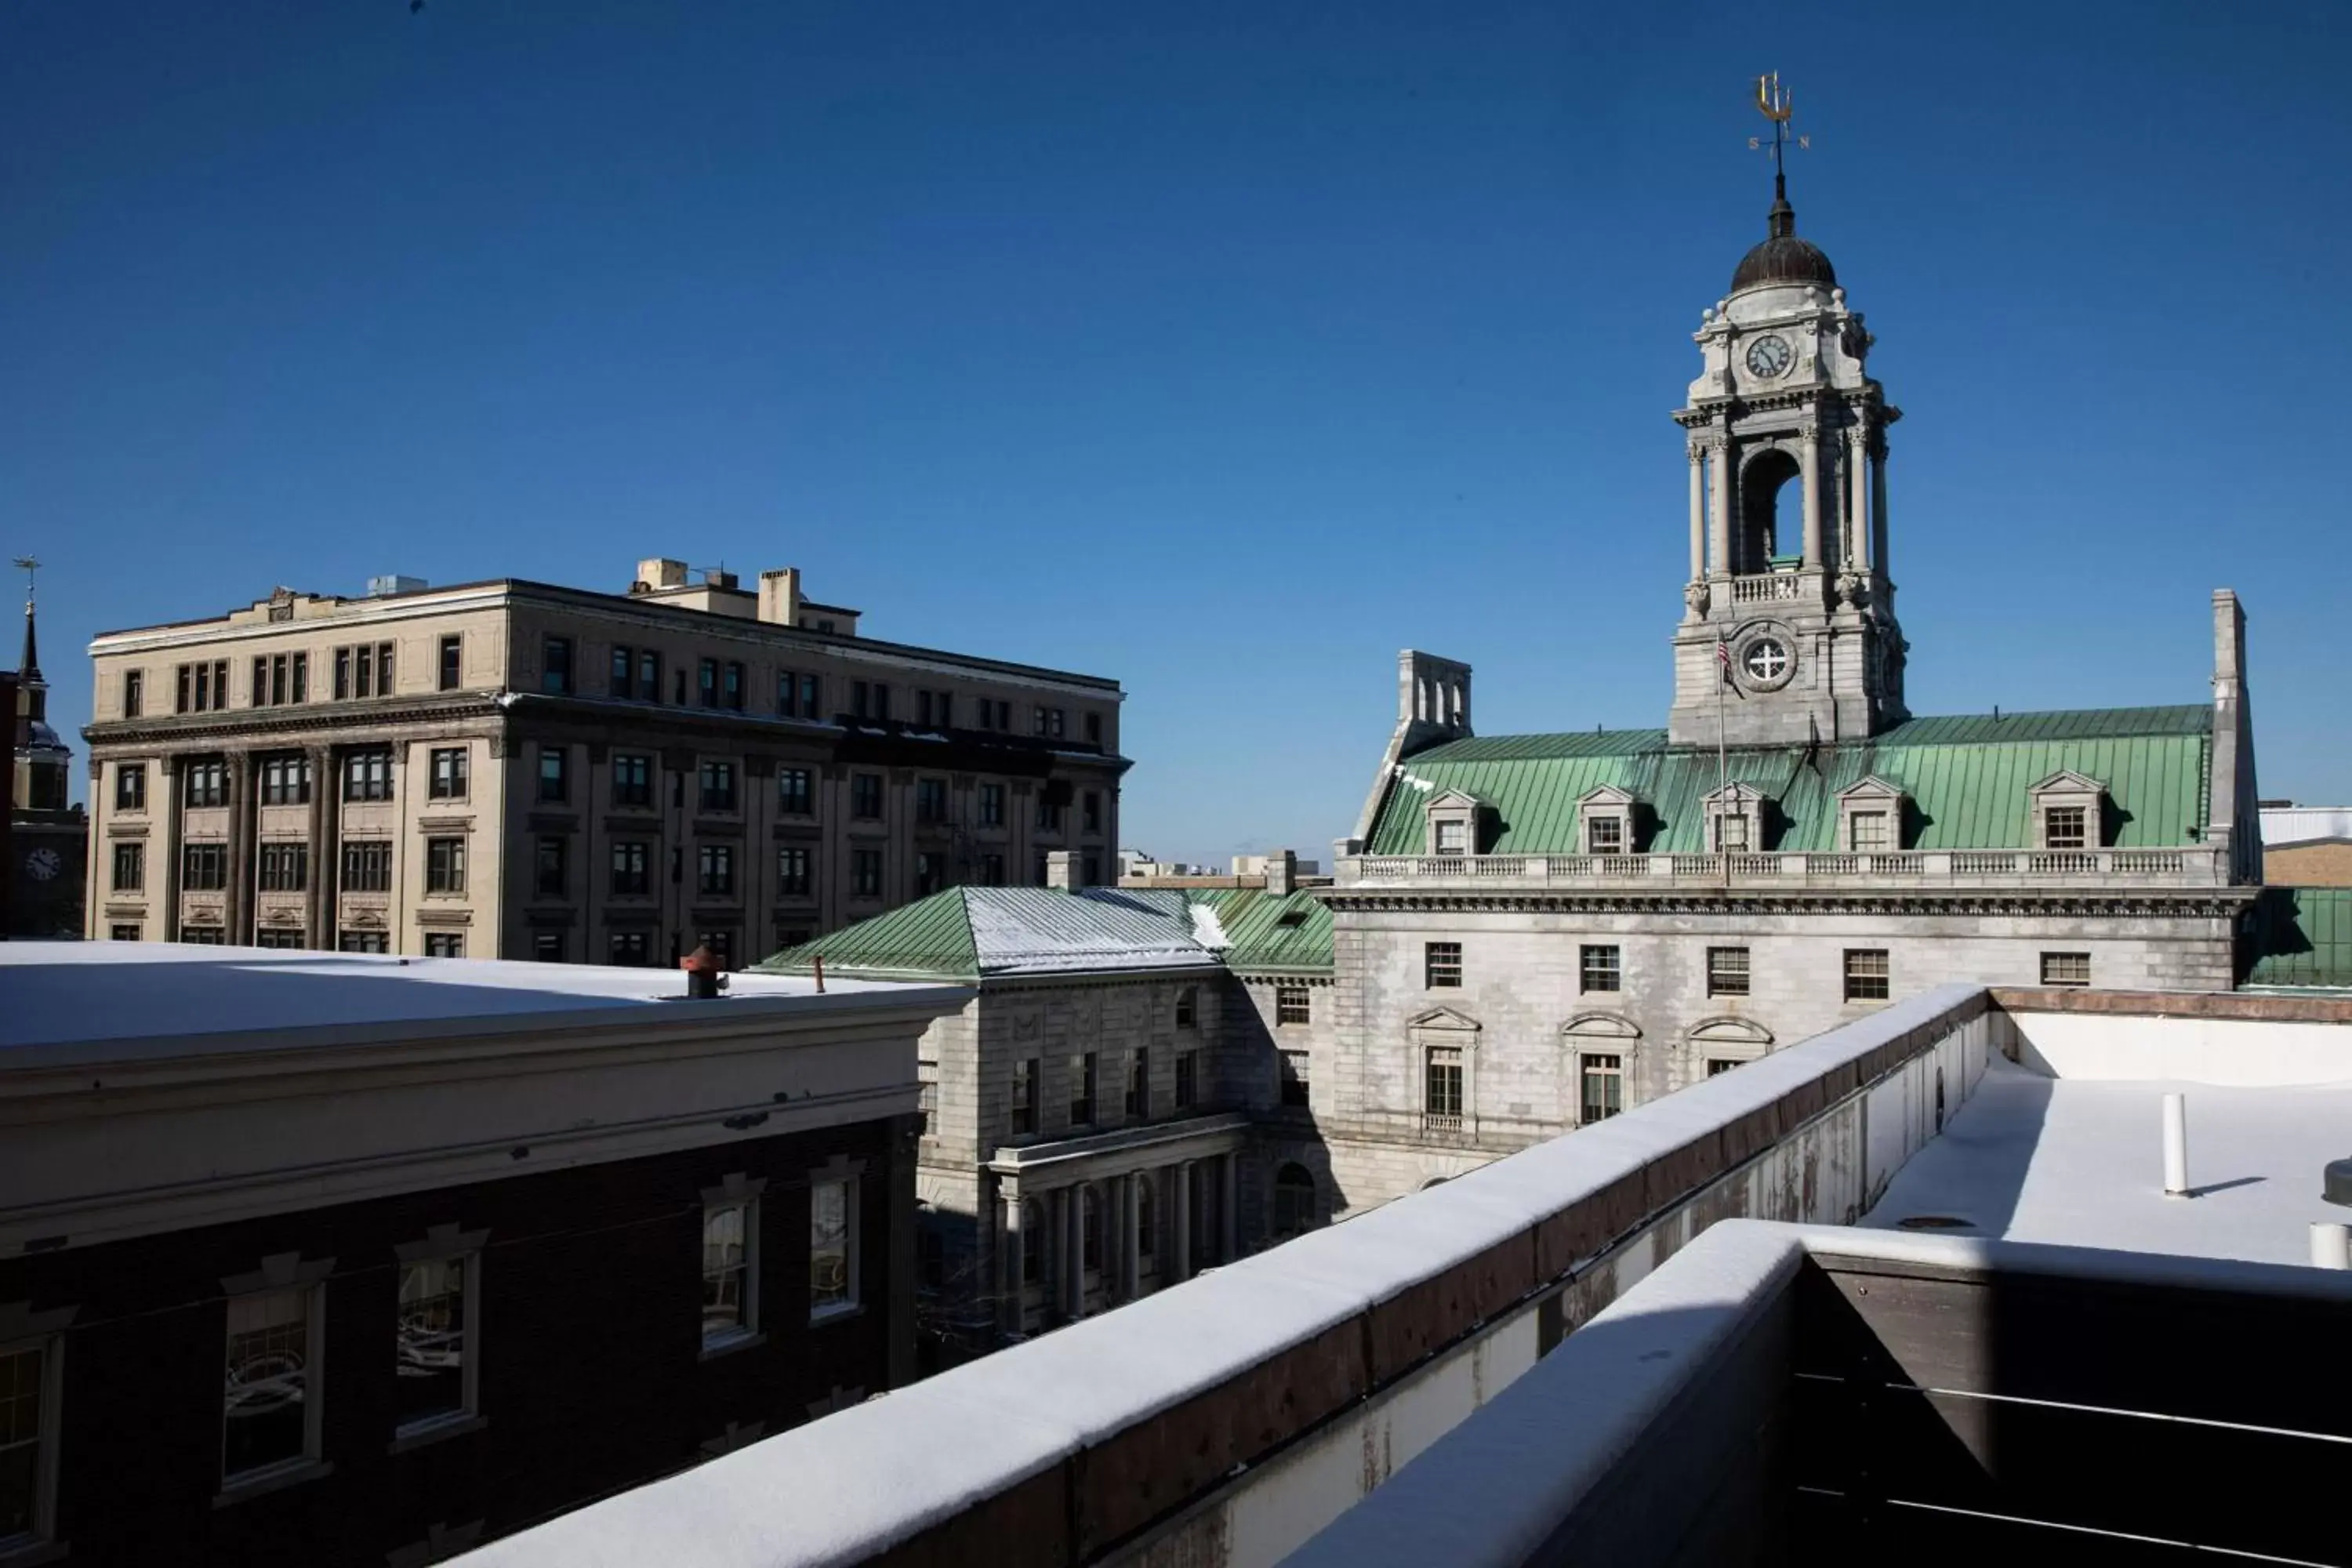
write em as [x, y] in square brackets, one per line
[2185, 865]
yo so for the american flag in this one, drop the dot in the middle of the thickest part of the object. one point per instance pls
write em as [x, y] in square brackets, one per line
[1723, 658]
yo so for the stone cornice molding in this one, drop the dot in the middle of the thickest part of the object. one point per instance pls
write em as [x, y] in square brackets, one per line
[2188, 903]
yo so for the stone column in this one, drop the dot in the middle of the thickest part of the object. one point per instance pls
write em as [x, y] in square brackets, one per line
[1229, 1208]
[318, 892]
[1697, 452]
[1857, 468]
[1719, 526]
[1878, 511]
[1131, 1227]
[1181, 1231]
[1073, 1252]
[1808, 470]
[1010, 1265]
[237, 903]
[169, 782]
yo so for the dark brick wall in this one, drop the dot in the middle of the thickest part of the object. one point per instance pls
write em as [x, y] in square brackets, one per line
[592, 1378]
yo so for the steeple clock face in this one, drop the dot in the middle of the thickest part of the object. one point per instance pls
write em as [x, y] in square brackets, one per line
[1768, 355]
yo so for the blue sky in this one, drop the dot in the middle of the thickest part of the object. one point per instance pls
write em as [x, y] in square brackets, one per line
[1224, 349]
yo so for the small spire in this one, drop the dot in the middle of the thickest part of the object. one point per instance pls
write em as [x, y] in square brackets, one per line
[28, 666]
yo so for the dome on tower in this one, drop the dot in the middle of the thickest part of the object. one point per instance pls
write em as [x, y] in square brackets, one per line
[1783, 259]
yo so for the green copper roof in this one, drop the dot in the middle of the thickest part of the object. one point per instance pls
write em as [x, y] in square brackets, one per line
[2303, 937]
[928, 939]
[1292, 932]
[1967, 777]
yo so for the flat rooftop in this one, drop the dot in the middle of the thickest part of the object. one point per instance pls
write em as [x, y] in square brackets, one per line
[62, 995]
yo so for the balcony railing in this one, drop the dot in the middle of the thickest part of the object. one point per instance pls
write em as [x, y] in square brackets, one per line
[1765, 588]
[2194, 865]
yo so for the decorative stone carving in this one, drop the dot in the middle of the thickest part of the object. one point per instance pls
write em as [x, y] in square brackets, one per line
[1694, 594]
[1850, 588]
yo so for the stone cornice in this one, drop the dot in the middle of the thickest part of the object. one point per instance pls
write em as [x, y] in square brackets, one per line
[2196, 903]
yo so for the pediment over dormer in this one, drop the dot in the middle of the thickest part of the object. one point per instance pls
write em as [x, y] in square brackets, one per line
[1601, 1027]
[1728, 1030]
[1606, 795]
[1871, 788]
[2067, 780]
[1453, 798]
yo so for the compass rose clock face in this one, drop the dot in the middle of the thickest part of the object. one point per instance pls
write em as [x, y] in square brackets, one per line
[43, 865]
[1768, 355]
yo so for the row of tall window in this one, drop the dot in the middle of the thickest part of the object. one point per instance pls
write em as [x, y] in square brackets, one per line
[274, 1389]
[280, 679]
[1082, 1077]
[1600, 967]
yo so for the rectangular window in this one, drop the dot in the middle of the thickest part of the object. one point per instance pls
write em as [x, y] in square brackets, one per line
[1049, 815]
[1727, 972]
[1293, 1078]
[1866, 832]
[1716, 1066]
[1091, 816]
[865, 796]
[631, 878]
[866, 873]
[1600, 1083]
[931, 872]
[445, 864]
[367, 866]
[731, 1234]
[1094, 728]
[795, 792]
[258, 693]
[2065, 969]
[2064, 827]
[452, 662]
[936, 710]
[185, 703]
[1443, 1085]
[301, 678]
[555, 665]
[630, 949]
[547, 947]
[554, 784]
[1187, 1079]
[342, 687]
[448, 776]
[123, 933]
[715, 870]
[134, 694]
[285, 867]
[444, 944]
[731, 686]
[621, 677]
[706, 681]
[367, 776]
[992, 805]
[1602, 968]
[1453, 837]
[284, 939]
[633, 779]
[1605, 836]
[362, 941]
[1139, 1085]
[1292, 1004]
[1023, 1117]
[1731, 834]
[129, 868]
[1187, 1008]
[131, 787]
[1865, 974]
[207, 783]
[648, 675]
[792, 871]
[717, 782]
[202, 936]
[1441, 966]
[833, 1249]
[433, 1352]
[285, 781]
[269, 1406]
[203, 867]
[367, 682]
[382, 670]
[549, 868]
[930, 800]
[1082, 1090]
[992, 870]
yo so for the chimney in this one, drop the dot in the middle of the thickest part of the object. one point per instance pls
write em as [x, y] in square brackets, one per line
[1064, 871]
[1281, 873]
[661, 573]
[704, 979]
[780, 597]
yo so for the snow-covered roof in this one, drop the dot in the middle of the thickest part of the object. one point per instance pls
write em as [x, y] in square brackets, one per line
[62, 995]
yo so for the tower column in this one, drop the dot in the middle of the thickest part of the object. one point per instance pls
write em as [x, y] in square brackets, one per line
[1719, 541]
[1697, 510]
[1809, 469]
[1857, 470]
[1878, 509]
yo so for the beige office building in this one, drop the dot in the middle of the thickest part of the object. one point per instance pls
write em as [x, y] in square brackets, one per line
[514, 769]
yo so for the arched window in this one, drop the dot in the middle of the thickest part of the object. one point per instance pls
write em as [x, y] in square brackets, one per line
[1033, 1236]
[1143, 1237]
[1293, 1202]
[1091, 1229]
[1767, 528]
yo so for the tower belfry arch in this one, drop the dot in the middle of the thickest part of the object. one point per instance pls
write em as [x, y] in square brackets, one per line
[1785, 432]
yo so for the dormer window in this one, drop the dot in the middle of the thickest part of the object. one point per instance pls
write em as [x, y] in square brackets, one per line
[1870, 816]
[1452, 838]
[1731, 833]
[1735, 819]
[1455, 818]
[1606, 816]
[2068, 812]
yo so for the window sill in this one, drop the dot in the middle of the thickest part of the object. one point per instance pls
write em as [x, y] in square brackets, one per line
[33, 1553]
[427, 1432]
[259, 1483]
[828, 1316]
[713, 1349]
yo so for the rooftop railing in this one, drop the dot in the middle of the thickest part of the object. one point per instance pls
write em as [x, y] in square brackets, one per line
[2194, 866]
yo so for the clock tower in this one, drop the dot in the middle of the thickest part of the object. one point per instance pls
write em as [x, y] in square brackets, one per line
[1788, 632]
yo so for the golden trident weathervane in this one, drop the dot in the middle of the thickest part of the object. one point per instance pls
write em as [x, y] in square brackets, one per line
[1776, 104]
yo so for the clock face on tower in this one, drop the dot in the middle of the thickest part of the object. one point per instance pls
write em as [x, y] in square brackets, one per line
[1768, 355]
[43, 864]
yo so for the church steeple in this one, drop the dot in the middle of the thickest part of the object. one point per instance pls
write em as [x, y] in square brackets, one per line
[29, 680]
